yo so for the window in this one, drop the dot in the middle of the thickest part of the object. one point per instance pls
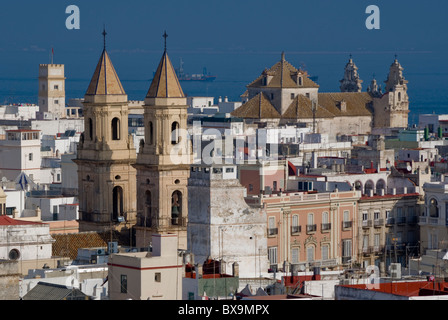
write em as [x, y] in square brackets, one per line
[300, 81]
[325, 252]
[272, 256]
[376, 215]
[295, 255]
[346, 248]
[90, 129]
[147, 222]
[292, 96]
[58, 177]
[433, 208]
[14, 254]
[117, 205]
[274, 185]
[175, 133]
[124, 283]
[365, 216]
[115, 129]
[388, 215]
[365, 242]
[251, 187]
[56, 101]
[272, 229]
[295, 224]
[151, 133]
[228, 170]
[157, 277]
[376, 240]
[176, 207]
[272, 96]
[56, 87]
[30, 157]
[310, 253]
[346, 216]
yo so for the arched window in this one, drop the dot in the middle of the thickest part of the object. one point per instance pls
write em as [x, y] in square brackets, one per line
[90, 129]
[151, 133]
[433, 208]
[176, 207]
[115, 129]
[399, 96]
[148, 210]
[117, 206]
[175, 133]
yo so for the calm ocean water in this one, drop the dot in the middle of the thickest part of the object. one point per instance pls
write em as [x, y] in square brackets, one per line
[426, 72]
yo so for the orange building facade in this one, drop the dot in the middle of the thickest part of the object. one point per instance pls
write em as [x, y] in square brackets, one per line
[307, 230]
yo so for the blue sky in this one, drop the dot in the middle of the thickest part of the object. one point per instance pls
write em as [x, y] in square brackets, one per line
[234, 38]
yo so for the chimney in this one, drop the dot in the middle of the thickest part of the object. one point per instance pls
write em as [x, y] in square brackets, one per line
[198, 268]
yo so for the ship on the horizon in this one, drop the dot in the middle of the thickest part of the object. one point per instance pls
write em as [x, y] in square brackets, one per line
[204, 76]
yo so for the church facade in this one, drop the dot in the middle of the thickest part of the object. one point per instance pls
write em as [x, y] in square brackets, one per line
[284, 94]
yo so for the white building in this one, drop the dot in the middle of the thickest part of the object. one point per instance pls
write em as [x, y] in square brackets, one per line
[155, 275]
[20, 152]
[55, 127]
[53, 207]
[221, 225]
[25, 241]
[201, 105]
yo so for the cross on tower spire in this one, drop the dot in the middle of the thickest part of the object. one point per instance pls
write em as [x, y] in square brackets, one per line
[165, 36]
[104, 36]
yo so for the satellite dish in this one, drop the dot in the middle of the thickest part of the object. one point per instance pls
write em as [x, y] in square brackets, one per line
[302, 267]
[409, 168]
[4, 179]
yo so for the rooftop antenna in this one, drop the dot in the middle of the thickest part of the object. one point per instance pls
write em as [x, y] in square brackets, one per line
[52, 55]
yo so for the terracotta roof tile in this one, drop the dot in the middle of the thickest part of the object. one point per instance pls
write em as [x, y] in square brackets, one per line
[259, 107]
[67, 245]
[283, 76]
[301, 108]
[357, 103]
[7, 221]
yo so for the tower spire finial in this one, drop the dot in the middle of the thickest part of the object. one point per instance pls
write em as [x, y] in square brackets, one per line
[165, 36]
[104, 36]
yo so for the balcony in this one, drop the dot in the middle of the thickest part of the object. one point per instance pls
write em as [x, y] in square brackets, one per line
[390, 221]
[367, 250]
[430, 220]
[296, 229]
[347, 224]
[272, 232]
[377, 249]
[310, 228]
[401, 220]
[366, 223]
[378, 223]
[181, 222]
[325, 227]
[346, 260]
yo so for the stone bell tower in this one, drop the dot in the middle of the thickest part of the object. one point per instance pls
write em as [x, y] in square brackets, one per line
[392, 109]
[106, 177]
[351, 81]
[164, 158]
